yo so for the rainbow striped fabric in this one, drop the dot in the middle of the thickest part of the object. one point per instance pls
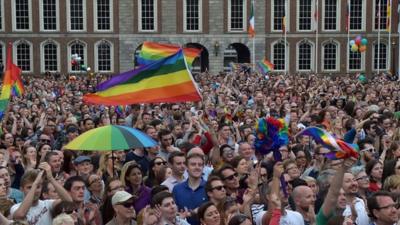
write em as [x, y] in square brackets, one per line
[11, 79]
[339, 148]
[152, 51]
[166, 80]
[265, 66]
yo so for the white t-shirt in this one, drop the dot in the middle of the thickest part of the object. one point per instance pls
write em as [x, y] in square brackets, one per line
[291, 218]
[38, 214]
[362, 214]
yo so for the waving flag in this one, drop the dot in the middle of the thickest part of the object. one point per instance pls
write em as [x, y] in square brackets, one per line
[252, 31]
[166, 80]
[388, 15]
[11, 76]
[152, 51]
[265, 66]
[339, 148]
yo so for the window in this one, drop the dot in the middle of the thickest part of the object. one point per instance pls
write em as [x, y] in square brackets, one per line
[148, 15]
[24, 56]
[329, 59]
[279, 56]
[380, 14]
[192, 14]
[356, 14]
[48, 13]
[304, 56]
[380, 56]
[49, 56]
[103, 15]
[104, 59]
[237, 15]
[279, 12]
[79, 48]
[22, 18]
[305, 14]
[1, 15]
[2, 49]
[77, 15]
[330, 15]
[355, 60]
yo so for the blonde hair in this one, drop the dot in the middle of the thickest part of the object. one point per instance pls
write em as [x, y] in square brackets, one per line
[63, 219]
[103, 162]
[125, 170]
[391, 182]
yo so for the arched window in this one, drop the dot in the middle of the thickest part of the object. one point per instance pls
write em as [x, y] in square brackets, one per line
[78, 48]
[279, 56]
[23, 55]
[50, 56]
[304, 56]
[330, 51]
[380, 56]
[104, 56]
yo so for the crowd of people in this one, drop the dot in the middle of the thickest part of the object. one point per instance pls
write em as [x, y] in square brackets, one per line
[205, 169]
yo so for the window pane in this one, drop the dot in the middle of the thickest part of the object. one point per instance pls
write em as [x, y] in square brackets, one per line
[380, 56]
[330, 15]
[237, 14]
[354, 60]
[330, 51]
[192, 15]
[24, 56]
[380, 14]
[50, 57]
[76, 14]
[22, 14]
[305, 11]
[79, 49]
[305, 56]
[148, 13]
[49, 14]
[104, 56]
[356, 7]
[103, 15]
[279, 56]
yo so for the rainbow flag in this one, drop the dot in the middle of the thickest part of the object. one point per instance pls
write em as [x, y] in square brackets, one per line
[265, 66]
[339, 148]
[119, 109]
[11, 74]
[152, 51]
[388, 15]
[251, 30]
[166, 80]
[18, 87]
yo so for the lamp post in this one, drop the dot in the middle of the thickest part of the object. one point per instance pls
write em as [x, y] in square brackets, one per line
[216, 48]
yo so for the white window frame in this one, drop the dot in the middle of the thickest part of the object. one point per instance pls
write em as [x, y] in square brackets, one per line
[200, 18]
[30, 54]
[388, 57]
[42, 69]
[287, 15]
[69, 17]
[155, 3]
[312, 54]
[287, 56]
[312, 25]
[42, 17]
[2, 15]
[338, 16]
[374, 15]
[244, 18]
[96, 57]
[348, 61]
[337, 53]
[14, 17]
[3, 52]
[111, 17]
[69, 56]
[363, 22]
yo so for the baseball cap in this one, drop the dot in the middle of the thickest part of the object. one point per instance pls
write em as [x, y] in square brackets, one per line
[120, 197]
[81, 159]
[72, 129]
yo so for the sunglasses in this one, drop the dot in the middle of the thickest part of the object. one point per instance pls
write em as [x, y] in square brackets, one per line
[395, 205]
[231, 177]
[219, 188]
[160, 163]
[45, 140]
[70, 211]
[127, 204]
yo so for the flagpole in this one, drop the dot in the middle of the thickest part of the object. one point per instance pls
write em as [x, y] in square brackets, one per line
[348, 30]
[389, 28]
[379, 34]
[285, 38]
[316, 38]
[254, 38]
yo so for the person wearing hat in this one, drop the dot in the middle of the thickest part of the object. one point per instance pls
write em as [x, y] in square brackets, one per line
[83, 165]
[125, 214]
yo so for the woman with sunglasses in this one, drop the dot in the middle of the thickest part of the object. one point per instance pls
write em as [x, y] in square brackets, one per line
[106, 209]
[132, 179]
[154, 169]
[209, 214]
[68, 208]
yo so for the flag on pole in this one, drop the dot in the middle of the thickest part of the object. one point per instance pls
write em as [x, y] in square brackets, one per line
[251, 30]
[284, 24]
[348, 16]
[316, 16]
[265, 66]
[388, 15]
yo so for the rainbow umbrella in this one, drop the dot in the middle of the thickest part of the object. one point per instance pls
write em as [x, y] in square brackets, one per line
[111, 137]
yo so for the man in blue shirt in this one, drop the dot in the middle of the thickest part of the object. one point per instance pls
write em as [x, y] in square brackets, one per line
[189, 195]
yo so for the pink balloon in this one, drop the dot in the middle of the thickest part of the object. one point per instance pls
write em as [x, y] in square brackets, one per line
[358, 41]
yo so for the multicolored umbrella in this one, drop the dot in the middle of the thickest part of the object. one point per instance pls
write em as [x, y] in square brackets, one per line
[111, 137]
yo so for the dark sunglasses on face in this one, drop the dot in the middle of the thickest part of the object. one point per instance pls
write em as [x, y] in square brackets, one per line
[231, 177]
[127, 204]
[70, 211]
[160, 163]
[219, 188]
[395, 205]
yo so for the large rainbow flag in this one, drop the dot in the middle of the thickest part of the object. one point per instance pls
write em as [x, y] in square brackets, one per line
[11, 80]
[166, 80]
[265, 66]
[152, 51]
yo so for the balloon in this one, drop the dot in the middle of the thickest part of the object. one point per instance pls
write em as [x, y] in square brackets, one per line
[88, 69]
[358, 41]
[73, 62]
[354, 48]
[364, 41]
[363, 48]
[352, 42]
[358, 37]
[78, 58]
